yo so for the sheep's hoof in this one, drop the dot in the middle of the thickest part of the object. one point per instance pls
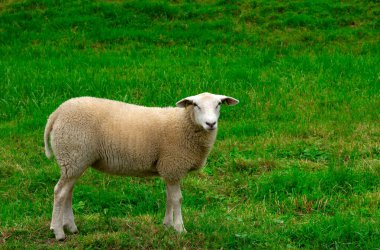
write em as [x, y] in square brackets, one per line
[180, 228]
[59, 234]
[60, 237]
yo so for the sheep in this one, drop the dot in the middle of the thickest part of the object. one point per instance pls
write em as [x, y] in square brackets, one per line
[125, 139]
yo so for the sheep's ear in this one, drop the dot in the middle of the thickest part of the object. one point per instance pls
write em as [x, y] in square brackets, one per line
[184, 102]
[229, 100]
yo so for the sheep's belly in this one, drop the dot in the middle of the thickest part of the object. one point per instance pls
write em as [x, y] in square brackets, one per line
[147, 169]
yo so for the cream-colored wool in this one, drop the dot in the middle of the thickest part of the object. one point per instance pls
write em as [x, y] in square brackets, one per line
[125, 139]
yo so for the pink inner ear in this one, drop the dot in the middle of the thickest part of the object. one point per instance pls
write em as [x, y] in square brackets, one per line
[230, 101]
[226, 101]
[188, 102]
[184, 103]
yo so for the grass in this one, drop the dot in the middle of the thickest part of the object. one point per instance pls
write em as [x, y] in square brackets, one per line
[296, 163]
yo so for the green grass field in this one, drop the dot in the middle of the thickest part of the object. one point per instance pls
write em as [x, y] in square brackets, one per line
[296, 163]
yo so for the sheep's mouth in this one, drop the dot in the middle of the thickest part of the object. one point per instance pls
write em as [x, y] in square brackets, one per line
[211, 128]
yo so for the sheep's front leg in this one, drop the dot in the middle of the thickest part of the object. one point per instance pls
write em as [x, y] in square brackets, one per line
[173, 205]
[168, 220]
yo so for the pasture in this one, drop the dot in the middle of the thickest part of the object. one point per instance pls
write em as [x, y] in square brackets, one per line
[296, 163]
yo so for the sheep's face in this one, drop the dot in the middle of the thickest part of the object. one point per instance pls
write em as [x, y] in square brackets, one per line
[206, 108]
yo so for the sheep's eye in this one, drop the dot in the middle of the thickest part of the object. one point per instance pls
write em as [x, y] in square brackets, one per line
[196, 105]
[218, 105]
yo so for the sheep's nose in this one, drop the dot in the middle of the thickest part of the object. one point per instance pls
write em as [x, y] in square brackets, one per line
[211, 124]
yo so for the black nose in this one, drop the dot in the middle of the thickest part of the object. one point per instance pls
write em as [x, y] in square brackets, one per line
[211, 124]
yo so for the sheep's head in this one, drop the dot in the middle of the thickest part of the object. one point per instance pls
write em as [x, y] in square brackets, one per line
[205, 108]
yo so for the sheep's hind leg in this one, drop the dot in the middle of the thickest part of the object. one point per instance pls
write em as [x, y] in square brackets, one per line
[61, 192]
[68, 215]
[174, 201]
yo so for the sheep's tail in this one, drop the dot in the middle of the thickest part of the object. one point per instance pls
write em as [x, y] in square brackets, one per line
[48, 128]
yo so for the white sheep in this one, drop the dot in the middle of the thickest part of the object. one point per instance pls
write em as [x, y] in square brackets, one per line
[125, 139]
